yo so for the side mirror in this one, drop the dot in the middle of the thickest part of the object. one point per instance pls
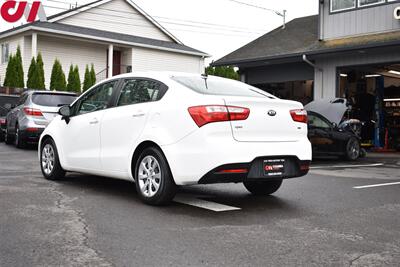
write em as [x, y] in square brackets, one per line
[65, 112]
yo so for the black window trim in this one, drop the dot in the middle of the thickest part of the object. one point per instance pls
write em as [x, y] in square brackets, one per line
[163, 89]
[110, 102]
[357, 7]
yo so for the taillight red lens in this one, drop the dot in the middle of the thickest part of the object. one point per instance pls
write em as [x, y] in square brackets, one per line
[2, 121]
[203, 115]
[33, 112]
[299, 115]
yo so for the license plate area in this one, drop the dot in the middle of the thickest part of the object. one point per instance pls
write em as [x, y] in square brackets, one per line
[274, 167]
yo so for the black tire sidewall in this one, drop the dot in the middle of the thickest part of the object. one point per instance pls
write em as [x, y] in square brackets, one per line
[20, 142]
[57, 173]
[352, 140]
[167, 189]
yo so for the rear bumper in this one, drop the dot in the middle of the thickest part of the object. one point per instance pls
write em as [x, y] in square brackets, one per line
[31, 135]
[198, 154]
[293, 168]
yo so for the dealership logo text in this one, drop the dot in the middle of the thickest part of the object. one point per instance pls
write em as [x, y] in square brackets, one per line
[12, 11]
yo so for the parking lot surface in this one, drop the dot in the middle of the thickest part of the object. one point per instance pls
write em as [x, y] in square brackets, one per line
[340, 214]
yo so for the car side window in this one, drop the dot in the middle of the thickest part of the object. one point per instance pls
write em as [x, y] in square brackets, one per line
[136, 91]
[317, 122]
[97, 99]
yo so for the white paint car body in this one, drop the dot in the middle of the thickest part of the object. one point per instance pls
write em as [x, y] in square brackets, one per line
[104, 142]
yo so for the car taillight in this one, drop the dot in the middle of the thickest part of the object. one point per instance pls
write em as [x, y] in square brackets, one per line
[2, 121]
[299, 115]
[203, 115]
[33, 112]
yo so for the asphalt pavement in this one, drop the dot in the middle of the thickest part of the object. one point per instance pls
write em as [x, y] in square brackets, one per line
[340, 214]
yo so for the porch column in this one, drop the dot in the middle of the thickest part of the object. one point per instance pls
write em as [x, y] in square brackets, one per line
[110, 60]
[34, 44]
[132, 58]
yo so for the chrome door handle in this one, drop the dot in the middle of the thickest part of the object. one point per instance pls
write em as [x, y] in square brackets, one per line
[94, 121]
[138, 115]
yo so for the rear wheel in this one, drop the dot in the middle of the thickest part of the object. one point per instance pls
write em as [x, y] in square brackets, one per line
[352, 149]
[7, 137]
[154, 181]
[49, 161]
[263, 188]
[18, 139]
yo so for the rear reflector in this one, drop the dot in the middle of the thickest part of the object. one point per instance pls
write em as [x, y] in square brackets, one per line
[33, 112]
[305, 166]
[32, 129]
[234, 171]
[299, 115]
[203, 115]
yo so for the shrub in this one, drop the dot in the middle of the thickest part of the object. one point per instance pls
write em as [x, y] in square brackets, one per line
[57, 80]
[40, 72]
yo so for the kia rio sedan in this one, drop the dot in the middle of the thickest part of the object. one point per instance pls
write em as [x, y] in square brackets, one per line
[163, 130]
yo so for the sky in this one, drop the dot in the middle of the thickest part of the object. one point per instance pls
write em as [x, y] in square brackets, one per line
[240, 23]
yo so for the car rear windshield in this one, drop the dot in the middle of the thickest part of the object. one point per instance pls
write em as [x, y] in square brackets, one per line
[52, 100]
[219, 86]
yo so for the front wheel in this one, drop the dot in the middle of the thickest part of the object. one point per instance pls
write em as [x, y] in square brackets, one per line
[49, 161]
[153, 178]
[263, 188]
[352, 149]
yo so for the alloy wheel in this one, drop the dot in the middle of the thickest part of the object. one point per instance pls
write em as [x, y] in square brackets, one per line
[48, 159]
[149, 176]
[354, 150]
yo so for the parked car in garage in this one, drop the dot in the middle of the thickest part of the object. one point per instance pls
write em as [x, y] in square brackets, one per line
[162, 130]
[3, 113]
[7, 102]
[33, 112]
[329, 139]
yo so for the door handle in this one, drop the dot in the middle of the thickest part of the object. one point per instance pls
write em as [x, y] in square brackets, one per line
[94, 121]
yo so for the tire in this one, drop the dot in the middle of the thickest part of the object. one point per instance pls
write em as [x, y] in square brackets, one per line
[7, 137]
[48, 154]
[353, 149]
[19, 142]
[263, 188]
[152, 171]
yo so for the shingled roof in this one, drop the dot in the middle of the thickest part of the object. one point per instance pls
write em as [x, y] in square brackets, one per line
[301, 37]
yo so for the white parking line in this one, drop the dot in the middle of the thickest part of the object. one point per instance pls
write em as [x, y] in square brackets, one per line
[208, 205]
[347, 166]
[376, 185]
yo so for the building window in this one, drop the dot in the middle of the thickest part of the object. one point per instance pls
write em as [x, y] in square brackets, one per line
[362, 3]
[339, 5]
[4, 53]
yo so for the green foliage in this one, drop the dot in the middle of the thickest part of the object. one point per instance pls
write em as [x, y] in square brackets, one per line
[226, 72]
[87, 81]
[32, 82]
[92, 75]
[74, 81]
[57, 80]
[40, 72]
[14, 72]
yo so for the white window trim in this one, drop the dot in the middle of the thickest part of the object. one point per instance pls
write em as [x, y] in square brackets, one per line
[343, 9]
[373, 4]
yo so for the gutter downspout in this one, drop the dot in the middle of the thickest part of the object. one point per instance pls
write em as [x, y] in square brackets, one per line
[306, 60]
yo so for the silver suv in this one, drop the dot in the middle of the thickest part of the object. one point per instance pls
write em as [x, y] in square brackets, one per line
[33, 112]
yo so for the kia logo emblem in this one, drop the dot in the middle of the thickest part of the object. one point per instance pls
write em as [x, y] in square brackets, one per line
[272, 113]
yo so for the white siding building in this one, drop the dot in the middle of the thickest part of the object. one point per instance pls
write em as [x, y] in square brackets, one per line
[116, 36]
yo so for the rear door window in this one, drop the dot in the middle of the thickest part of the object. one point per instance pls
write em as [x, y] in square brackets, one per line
[136, 91]
[52, 100]
[210, 85]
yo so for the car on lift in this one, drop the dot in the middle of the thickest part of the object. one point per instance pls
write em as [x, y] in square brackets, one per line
[31, 115]
[336, 136]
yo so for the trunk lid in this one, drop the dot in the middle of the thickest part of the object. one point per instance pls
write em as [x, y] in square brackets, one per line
[269, 120]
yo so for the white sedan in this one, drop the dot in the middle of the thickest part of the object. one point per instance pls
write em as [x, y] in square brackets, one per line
[162, 130]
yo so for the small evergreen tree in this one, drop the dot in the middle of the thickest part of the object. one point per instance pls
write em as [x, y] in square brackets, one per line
[32, 82]
[87, 81]
[74, 82]
[19, 80]
[40, 72]
[226, 72]
[57, 80]
[93, 76]
[9, 79]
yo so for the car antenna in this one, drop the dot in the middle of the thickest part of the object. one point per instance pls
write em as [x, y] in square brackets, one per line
[205, 77]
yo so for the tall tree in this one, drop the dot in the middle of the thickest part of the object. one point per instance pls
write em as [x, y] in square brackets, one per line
[9, 79]
[93, 75]
[77, 79]
[74, 81]
[19, 69]
[33, 78]
[87, 81]
[40, 71]
[57, 80]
